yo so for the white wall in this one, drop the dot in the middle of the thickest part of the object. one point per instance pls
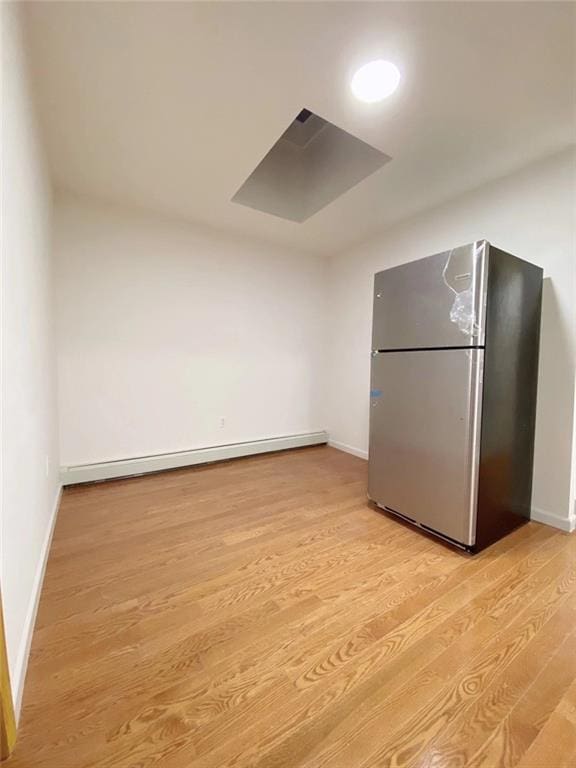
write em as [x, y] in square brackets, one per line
[29, 441]
[164, 329]
[532, 214]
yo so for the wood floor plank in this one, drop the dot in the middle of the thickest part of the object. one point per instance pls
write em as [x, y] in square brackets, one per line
[465, 688]
[556, 742]
[360, 687]
[261, 614]
[474, 724]
[514, 735]
[392, 691]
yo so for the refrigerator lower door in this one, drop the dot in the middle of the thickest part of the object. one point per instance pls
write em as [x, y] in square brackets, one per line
[425, 437]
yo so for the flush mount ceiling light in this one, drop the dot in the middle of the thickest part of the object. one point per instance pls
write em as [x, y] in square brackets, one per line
[375, 81]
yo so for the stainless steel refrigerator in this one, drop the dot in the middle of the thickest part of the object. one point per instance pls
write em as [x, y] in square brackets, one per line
[453, 392]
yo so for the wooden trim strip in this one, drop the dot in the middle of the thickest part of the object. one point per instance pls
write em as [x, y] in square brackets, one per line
[7, 720]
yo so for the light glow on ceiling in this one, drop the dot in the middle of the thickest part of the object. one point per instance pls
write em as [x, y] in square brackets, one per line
[375, 81]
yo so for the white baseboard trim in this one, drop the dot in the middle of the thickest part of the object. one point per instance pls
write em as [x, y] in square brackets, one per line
[548, 518]
[349, 449]
[19, 675]
[86, 473]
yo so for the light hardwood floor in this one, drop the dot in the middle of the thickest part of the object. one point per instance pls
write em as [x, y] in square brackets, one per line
[260, 613]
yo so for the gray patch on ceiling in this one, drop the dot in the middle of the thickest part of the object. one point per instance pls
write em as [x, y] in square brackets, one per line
[310, 165]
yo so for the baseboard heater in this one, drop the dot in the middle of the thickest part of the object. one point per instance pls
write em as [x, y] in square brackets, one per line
[107, 470]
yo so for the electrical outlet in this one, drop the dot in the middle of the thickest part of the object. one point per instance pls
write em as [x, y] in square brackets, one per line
[222, 422]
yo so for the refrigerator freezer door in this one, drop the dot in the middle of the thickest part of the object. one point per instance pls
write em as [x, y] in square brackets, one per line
[424, 437]
[435, 302]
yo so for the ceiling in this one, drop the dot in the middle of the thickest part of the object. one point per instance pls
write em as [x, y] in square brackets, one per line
[170, 106]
